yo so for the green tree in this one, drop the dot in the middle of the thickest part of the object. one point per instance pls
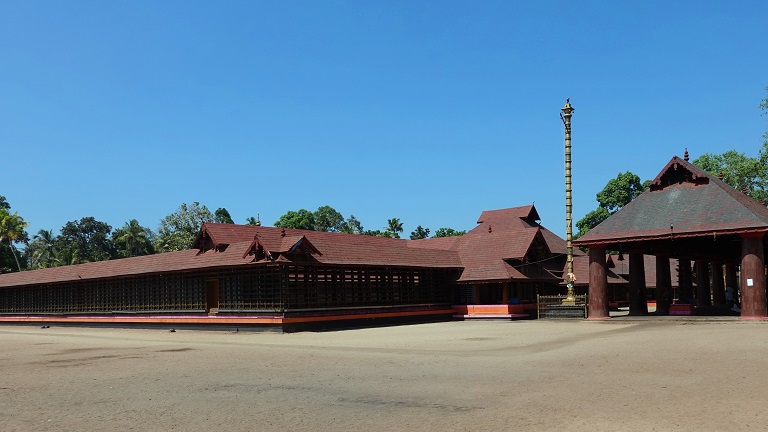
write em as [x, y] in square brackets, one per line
[253, 221]
[88, 238]
[41, 251]
[448, 232]
[620, 191]
[221, 215]
[178, 230]
[420, 233]
[328, 219]
[12, 230]
[132, 240]
[617, 193]
[302, 219]
[8, 256]
[394, 228]
[351, 226]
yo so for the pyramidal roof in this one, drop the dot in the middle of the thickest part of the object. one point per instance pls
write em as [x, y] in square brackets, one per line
[682, 201]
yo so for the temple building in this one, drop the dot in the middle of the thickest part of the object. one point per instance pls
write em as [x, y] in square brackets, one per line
[289, 279]
[715, 233]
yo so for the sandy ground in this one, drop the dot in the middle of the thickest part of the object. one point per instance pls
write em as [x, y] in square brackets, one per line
[462, 376]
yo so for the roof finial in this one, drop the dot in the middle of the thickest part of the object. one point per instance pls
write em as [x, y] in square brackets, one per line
[721, 176]
[258, 220]
[282, 232]
[685, 157]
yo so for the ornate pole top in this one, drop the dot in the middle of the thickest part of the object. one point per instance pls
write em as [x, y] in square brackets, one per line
[567, 108]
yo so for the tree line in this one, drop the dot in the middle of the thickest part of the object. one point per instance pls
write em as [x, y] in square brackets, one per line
[89, 240]
[326, 218]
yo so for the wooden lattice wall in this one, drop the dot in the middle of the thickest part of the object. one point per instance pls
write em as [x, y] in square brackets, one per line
[274, 288]
[129, 294]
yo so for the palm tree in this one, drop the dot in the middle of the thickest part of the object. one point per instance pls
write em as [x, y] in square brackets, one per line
[43, 248]
[12, 229]
[65, 257]
[133, 239]
[395, 227]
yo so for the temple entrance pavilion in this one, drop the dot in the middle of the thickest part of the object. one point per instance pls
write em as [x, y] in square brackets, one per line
[716, 234]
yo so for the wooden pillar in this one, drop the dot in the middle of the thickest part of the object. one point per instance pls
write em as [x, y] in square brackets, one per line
[638, 303]
[663, 284]
[732, 282]
[505, 292]
[753, 304]
[685, 286]
[598, 284]
[703, 293]
[718, 284]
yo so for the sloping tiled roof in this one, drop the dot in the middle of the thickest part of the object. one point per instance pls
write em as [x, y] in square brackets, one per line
[342, 249]
[556, 244]
[484, 253]
[510, 218]
[500, 236]
[150, 264]
[682, 201]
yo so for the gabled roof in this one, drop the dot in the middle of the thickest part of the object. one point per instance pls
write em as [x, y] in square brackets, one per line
[682, 201]
[510, 218]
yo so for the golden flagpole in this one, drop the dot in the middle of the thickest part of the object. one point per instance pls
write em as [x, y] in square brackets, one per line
[570, 278]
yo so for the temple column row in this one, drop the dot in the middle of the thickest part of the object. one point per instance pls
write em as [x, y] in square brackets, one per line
[752, 288]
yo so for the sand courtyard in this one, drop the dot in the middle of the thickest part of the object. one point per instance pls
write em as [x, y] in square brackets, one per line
[662, 375]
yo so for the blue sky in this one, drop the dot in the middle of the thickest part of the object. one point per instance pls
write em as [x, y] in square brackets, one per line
[429, 111]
